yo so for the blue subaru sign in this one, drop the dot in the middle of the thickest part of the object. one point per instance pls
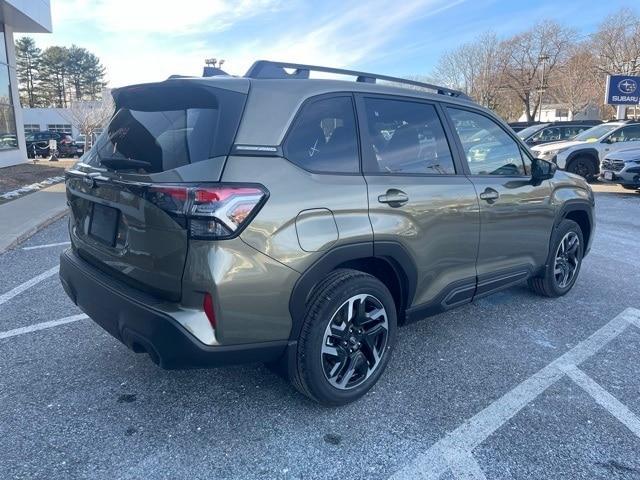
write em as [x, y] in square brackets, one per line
[623, 90]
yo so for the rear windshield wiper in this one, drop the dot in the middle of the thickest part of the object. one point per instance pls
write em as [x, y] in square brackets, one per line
[116, 163]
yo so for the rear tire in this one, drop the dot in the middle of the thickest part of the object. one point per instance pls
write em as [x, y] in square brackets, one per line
[346, 340]
[563, 262]
[583, 166]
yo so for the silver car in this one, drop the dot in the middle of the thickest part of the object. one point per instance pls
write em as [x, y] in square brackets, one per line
[622, 167]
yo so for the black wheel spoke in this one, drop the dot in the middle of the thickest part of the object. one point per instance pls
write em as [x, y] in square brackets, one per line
[567, 259]
[354, 341]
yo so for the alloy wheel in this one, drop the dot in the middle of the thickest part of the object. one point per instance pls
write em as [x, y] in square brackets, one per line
[354, 341]
[567, 259]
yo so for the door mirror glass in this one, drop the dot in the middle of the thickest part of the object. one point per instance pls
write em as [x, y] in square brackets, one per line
[542, 169]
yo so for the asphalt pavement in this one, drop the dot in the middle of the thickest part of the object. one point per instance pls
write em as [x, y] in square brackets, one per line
[513, 386]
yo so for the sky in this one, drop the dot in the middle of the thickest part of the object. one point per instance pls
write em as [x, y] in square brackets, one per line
[148, 40]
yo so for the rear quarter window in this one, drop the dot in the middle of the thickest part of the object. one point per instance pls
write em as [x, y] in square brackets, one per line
[324, 137]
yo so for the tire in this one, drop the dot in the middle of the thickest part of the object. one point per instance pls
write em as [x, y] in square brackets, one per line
[553, 283]
[333, 366]
[582, 165]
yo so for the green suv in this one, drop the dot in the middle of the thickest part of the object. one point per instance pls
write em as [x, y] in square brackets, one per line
[294, 221]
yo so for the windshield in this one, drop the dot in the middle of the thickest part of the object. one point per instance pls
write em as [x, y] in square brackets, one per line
[595, 133]
[527, 132]
[160, 129]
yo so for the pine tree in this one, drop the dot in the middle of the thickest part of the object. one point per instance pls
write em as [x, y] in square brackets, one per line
[54, 75]
[27, 66]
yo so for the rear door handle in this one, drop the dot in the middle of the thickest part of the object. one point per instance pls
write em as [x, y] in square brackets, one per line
[489, 195]
[394, 198]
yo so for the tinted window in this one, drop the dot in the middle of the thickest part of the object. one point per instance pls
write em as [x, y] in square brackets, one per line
[324, 137]
[527, 132]
[570, 132]
[406, 137]
[168, 127]
[626, 134]
[488, 148]
[548, 134]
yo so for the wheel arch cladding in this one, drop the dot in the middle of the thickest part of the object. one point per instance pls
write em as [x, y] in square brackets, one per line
[391, 264]
[582, 218]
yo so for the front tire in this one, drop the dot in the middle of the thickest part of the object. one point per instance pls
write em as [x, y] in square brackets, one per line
[347, 338]
[583, 166]
[563, 263]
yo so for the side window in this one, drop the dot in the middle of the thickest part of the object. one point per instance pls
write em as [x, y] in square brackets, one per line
[569, 132]
[488, 148]
[406, 138]
[324, 137]
[526, 159]
[548, 135]
[627, 134]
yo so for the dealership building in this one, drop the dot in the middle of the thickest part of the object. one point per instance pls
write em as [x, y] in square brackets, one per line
[16, 16]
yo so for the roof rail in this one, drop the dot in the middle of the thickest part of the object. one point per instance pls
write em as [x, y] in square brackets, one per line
[276, 70]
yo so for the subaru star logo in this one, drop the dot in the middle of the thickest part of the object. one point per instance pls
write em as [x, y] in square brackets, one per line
[627, 86]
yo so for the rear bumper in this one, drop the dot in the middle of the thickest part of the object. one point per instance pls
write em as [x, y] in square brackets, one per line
[129, 315]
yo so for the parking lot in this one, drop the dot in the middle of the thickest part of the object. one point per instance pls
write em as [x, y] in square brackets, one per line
[513, 386]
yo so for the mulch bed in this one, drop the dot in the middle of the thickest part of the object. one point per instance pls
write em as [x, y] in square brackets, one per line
[17, 176]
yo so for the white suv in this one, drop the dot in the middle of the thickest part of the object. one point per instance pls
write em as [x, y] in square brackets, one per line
[584, 152]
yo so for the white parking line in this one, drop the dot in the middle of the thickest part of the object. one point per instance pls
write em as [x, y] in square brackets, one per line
[605, 399]
[464, 466]
[42, 326]
[48, 245]
[5, 297]
[438, 459]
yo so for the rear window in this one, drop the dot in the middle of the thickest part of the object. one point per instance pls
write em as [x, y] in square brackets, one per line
[159, 128]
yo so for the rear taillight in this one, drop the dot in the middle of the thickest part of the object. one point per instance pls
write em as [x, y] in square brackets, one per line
[211, 212]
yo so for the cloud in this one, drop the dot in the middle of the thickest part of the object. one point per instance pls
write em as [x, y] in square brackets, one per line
[142, 40]
[341, 38]
[154, 17]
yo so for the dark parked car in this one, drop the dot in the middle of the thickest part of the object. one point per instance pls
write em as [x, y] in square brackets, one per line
[554, 132]
[38, 144]
[204, 235]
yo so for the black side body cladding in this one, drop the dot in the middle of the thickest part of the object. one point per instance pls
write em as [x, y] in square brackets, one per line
[391, 252]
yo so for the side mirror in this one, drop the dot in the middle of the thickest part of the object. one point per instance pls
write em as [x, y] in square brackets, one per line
[607, 140]
[542, 170]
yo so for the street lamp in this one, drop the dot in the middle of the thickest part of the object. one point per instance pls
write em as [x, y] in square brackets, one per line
[544, 58]
[213, 62]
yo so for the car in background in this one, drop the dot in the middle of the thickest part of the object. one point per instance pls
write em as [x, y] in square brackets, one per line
[622, 167]
[8, 140]
[38, 144]
[542, 133]
[81, 142]
[584, 152]
[517, 126]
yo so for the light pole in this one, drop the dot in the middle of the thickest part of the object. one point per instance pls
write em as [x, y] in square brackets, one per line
[213, 62]
[544, 58]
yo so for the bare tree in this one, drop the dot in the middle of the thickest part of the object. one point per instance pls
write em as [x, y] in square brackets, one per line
[89, 116]
[476, 68]
[578, 83]
[617, 43]
[531, 55]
